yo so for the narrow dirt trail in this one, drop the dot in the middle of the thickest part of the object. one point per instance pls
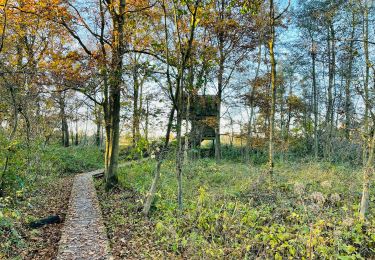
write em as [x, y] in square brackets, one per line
[84, 235]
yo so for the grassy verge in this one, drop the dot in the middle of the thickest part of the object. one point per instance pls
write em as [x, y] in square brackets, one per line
[231, 210]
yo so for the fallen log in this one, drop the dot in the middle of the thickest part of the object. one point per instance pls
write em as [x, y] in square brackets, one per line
[45, 221]
[98, 175]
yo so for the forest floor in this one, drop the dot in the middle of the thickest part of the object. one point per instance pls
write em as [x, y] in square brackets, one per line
[234, 210]
[51, 197]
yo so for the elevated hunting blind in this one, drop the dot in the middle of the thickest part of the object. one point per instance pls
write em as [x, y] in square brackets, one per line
[203, 118]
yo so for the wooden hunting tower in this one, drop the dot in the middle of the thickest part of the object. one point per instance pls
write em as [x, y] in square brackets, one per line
[203, 118]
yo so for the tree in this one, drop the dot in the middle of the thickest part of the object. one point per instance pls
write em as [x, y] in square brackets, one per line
[111, 40]
[184, 46]
[271, 45]
[231, 27]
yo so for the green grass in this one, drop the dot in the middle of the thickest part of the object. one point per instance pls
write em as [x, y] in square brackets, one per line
[73, 159]
[235, 210]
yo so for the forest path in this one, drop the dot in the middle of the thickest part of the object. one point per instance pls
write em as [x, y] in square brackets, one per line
[84, 235]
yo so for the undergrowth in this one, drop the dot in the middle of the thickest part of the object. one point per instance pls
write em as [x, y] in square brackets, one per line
[32, 187]
[232, 210]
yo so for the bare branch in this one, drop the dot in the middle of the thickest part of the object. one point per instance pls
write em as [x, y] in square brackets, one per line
[286, 9]
[100, 37]
[75, 36]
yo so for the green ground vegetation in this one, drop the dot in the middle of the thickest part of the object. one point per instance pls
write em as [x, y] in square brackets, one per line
[37, 184]
[306, 210]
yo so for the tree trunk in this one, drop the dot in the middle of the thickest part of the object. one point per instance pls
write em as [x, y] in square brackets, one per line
[135, 128]
[249, 128]
[147, 119]
[185, 51]
[113, 103]
[151, 194]
[331, 77]
[64, 123]
[179, 156]
[113, 136]
[71, 135]
[348, 102]
[76, 139]
[271, 42]
[163, 152]
[367, 175]
[97, 135]
[251, 102]
[220, 85]
[366, 83]
[219, 99]
[289, 114]
[186, 145]
[98, 120]
[315, 98]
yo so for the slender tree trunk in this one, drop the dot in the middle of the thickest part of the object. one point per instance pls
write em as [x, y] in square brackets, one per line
[339, 96]
[232, 132]
[289, 114]
[368, 172]
[186, 145]
[98, 120]
[64, 123]
[107, 123]
[71, 135]
[315, 98]
[66, 133]
[251, 101]
[331, 77]
[348, 101]
[151, 194]
[76, 139]
[140, 107]
[85, 141]
[185, 51]
[189, 96]
[271, 42]
[249, 128]
[220, 84]
[179, 155]
[282, 122]
[97, 135]
[135, 106]
[366, 83]
[306, 116]
[219, 99]
[147, 119]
